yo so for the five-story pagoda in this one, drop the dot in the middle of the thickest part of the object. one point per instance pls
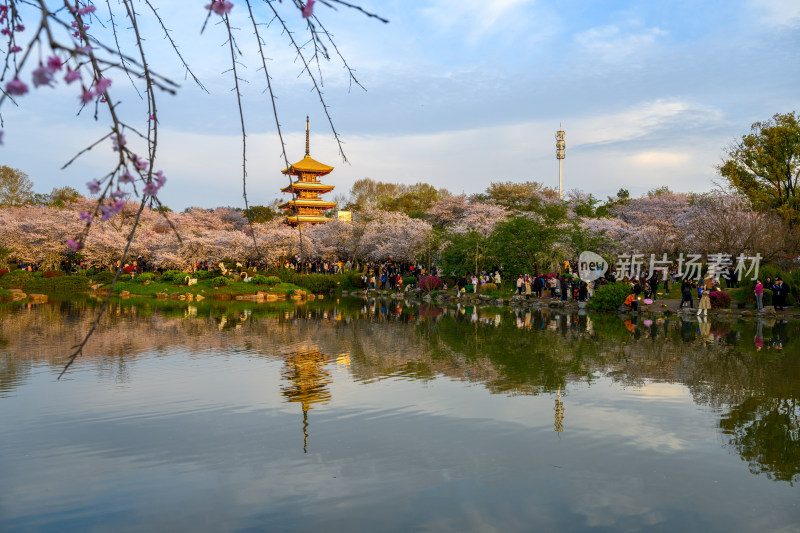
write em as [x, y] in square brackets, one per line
[306, 206]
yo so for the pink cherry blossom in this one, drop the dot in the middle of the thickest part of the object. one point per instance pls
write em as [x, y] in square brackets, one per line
[126, 178]
[93, 186]
[19, 27]
[43, 76]
[118, 140]
[53, 63]
[72, 75]
[108, 212]
[160, 179]
[75, 245]
[141, 163]
[308, 10]
[220, 7]
[86, 10]
[119, 193]
[14, 49]
[16, 87]
[151, 189]
[87, 96]
[86, 217]
[85, 50]
[102, 85]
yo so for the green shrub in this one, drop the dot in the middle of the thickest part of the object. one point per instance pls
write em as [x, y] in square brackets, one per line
[745, 295]
[147, 276]
[174, 276]
[355, 280]
[52, 274]
[16, 279]
[272, 280]
[57, 284]
[220, 281]
[410, 281]
[203, 274]
[286, 275]
[104, 277]
[317, 283]
[610, 296]
[258, 279]
[469, 288]
[488, 287]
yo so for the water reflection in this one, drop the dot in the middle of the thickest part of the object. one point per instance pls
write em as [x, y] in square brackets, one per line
[306, 382]
[748, 371]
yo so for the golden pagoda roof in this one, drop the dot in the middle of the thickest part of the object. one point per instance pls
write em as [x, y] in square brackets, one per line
[308, 202]
[308, 185]
[306, 218]
[308, 165]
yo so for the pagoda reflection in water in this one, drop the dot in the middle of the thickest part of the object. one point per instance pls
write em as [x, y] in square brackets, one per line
[306, 381]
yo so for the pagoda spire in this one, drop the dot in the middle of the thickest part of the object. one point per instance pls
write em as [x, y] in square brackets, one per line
[307, 151]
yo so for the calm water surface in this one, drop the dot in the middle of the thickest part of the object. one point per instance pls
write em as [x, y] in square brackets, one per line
[386, 416]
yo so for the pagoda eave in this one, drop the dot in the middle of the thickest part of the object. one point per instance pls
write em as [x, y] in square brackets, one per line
[308, 186]
[307, 203]
[305, 219]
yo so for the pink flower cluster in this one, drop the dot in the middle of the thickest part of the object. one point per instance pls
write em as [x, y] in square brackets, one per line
[86, 10]
[154, 186]
[308, 9]
[220, 7]
[99, 88]
[77, 33]
[10, 28]
[45, 75]
[112, 209]
[117, 141]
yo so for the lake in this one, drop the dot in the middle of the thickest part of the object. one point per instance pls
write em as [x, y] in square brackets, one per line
[379, 415]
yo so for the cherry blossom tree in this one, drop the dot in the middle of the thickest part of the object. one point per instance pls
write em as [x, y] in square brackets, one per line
[392, 234]
[458, 214]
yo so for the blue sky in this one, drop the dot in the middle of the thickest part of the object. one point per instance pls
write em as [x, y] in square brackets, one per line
[460, 93]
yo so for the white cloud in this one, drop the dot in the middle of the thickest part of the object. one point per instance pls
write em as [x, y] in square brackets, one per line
[777, 13]
[643, 119]
[614, 44]
[660, 159]
[481, 16]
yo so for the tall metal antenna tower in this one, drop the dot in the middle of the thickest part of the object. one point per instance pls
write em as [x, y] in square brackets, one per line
[561, 153]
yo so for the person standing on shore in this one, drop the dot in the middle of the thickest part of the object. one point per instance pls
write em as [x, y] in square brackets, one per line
[705, 299]
[780, 294]
[686, 294]
[759, 292]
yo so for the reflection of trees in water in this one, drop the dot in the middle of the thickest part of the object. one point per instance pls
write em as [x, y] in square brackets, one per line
[527, 352]
[765, 432]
